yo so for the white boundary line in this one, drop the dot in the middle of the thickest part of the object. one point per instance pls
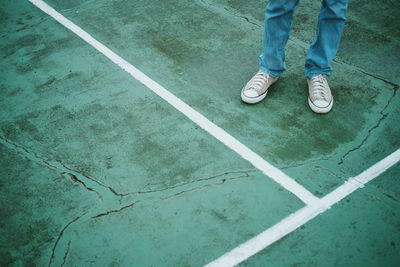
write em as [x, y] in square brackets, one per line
[246, 153]
[302, 216]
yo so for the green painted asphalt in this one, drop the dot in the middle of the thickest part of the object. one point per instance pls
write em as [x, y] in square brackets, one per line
[362, 230]
[50, 218]
[97, 170]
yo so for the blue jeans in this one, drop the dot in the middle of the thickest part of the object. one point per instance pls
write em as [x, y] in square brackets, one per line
[278, 22]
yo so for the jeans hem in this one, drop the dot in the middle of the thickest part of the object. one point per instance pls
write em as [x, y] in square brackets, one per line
[309, 75]
[271, 73]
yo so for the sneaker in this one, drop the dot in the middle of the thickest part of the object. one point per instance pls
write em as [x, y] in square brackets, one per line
[256, 89]
[320, 97]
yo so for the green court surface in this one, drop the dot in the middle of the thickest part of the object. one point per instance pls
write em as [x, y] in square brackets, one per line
[97, 170]
[360, 231]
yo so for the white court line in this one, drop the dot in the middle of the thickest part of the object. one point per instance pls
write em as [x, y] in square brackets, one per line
[302, 216]
[246, 153]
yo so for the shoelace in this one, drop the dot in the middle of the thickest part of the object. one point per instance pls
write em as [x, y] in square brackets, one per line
[258, 81]
[319, 88]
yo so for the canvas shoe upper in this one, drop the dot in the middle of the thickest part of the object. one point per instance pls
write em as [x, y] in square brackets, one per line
[320, 97]
[256, 89]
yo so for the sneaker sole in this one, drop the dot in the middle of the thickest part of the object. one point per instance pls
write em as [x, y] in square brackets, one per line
[253, 100]
[320, 110]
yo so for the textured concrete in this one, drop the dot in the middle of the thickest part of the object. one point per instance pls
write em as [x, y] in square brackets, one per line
[37, 202]
[97, 170]
[363, 230]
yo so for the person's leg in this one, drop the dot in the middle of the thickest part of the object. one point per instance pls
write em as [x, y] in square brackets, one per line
[321, 53]
[329, 32]
[277, 26]
[278, 21]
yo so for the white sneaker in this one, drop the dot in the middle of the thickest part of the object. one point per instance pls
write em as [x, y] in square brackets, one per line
[320, 97]
[257, 88]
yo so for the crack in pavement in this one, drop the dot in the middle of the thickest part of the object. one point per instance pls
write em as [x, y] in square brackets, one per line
[177, 190]
[85, 179]
[341, 177]
[108, 195]
[75, 179]
[89, 183]
[370, 130]
[379, 78]
[304, 163]
[391, 197]
[66, 254]
[105, 193]
[244, 172]
[242, 17]
[115, 210]
[356, 68]
[60, 235]
[113, 207]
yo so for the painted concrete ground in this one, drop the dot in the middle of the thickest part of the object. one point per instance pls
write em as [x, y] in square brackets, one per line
[96, 170]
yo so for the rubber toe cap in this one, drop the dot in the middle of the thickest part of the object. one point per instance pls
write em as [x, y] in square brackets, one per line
[250, 93]
[321, 103]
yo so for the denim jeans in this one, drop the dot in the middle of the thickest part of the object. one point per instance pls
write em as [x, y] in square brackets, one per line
[278, 22]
